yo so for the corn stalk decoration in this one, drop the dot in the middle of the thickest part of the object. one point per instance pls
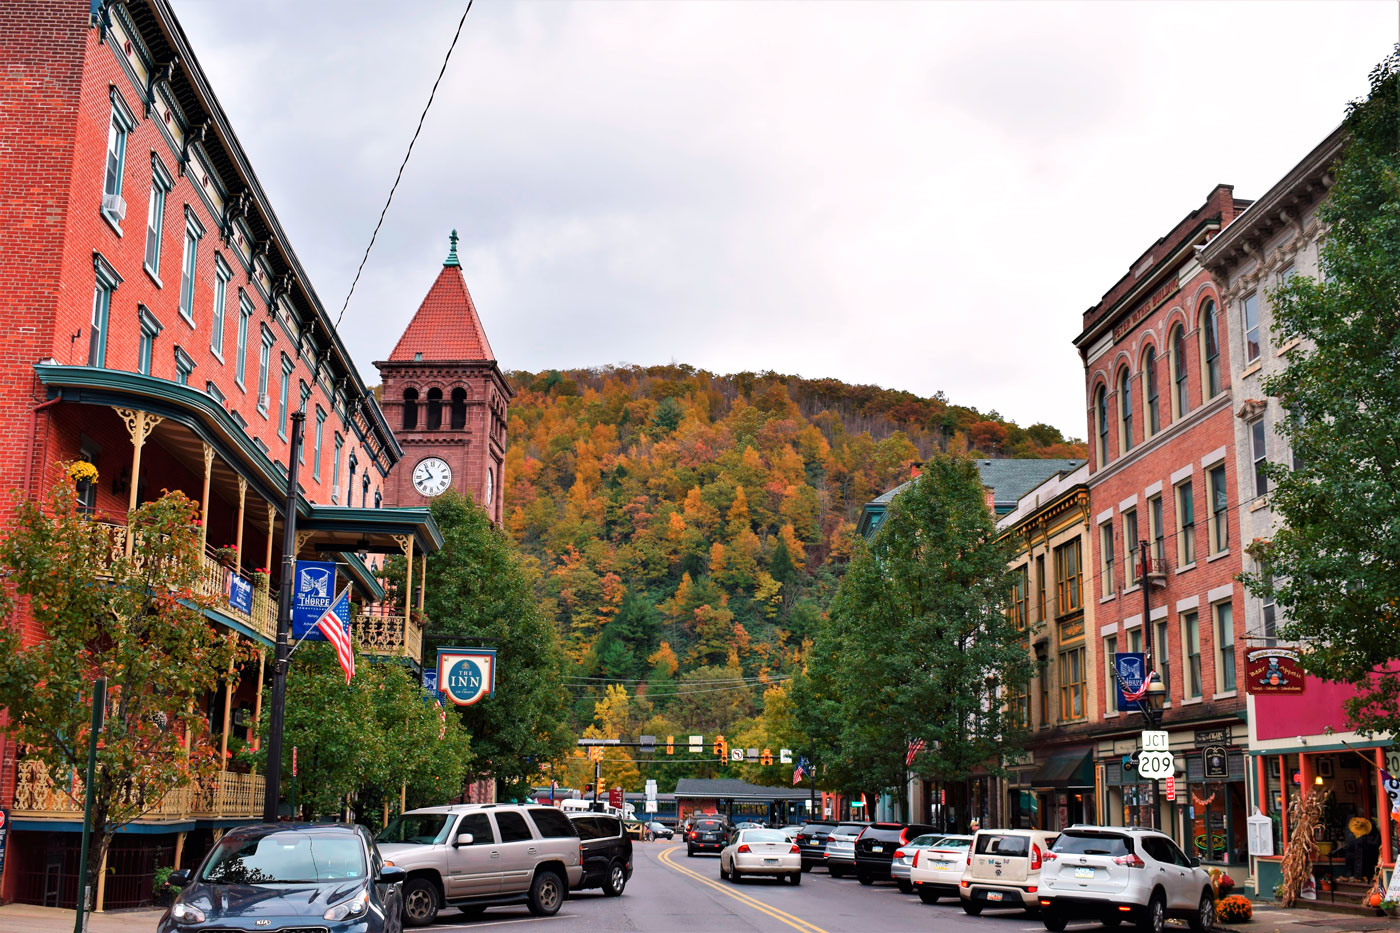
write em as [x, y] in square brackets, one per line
[1305, 816]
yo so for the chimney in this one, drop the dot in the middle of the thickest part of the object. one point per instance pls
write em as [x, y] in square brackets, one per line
[989, 496]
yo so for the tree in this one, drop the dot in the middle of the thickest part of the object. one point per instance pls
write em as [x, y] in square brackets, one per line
[917, 644]
[136, 620]
[1335, 558]
[479, 593]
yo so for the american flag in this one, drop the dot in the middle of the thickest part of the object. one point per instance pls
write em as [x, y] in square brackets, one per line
[798, 773]
[915, 746]
[1133, 696]
[335, 625]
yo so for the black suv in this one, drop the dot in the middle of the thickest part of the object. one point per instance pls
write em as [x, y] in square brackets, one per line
[811, 840]
[876, 846]
[708, 834]
[606, 849]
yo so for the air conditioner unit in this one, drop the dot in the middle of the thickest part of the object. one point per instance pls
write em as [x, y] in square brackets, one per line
[114, 206]
[264, 401]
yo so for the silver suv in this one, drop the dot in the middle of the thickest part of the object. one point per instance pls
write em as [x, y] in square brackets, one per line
[1115, 873]
[476, 855]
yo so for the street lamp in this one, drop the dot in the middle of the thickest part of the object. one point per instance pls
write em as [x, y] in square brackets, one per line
[1151, 704]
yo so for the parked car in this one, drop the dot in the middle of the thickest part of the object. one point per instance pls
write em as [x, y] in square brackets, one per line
[606, 850]
[285, 875]
[938, 869]
[760, 852]
[790, 830]
[840, 850]
[811, 839]
[748, 824]
[1003, 869]
[707, 834]
[476, 855]
[904, 860]
[1112, 873]
[660, 830]
[876, 847]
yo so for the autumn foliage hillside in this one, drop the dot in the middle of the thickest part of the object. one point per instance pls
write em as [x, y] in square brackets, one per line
[689, 525]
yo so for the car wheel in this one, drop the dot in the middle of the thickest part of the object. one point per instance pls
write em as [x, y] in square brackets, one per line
[927, 896]
[971, 908]
[1154, 919]
[734, 875]
[807, 867]
[863, 878]
[795, 878]
[472, 911]
[1203, 920]
[420, 902]
[616, 880]
[723, 872]
[836, 872]
[690, 851]
[1054, 921]
[546, 894]
[906, 887]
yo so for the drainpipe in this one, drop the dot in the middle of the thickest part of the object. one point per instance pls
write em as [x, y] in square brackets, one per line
[34, 429]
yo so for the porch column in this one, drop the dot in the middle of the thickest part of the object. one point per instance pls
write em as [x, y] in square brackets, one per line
[223, 741]
[102, 869]
[179, 847]
[139, 425]
[238, 537]
[257, 702]
[204, 500]
[1382, 809]
[405, 543]
[1305, 774]
[271, 525]
[1261, 783]
[422, 580]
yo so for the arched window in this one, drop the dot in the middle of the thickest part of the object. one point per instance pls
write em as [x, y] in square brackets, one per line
[459, 408]
[410, 409]
[1125, 410]
[490, 484]
[1210, 345]
[434, 409]
[1154, 407]
[1181, 401]
[1101, 416]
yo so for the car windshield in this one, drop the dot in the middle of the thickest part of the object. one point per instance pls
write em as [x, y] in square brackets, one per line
[420, 829]
[953, 842]
[763, 835]
[1091, 844]
[993, 844]
[285, 858]
[709, 826]
[922, 842]
[849, 829]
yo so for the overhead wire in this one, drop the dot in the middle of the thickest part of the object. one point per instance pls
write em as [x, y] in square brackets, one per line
[402, 165]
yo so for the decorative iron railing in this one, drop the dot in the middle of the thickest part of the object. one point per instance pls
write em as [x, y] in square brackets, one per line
[226, 794]
[392, 636]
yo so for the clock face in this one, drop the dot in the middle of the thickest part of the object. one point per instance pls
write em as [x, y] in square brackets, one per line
[432, 476]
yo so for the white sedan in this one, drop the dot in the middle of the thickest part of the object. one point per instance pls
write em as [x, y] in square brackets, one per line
[760, 852]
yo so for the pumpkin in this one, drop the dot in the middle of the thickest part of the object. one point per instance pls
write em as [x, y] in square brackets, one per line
[1234, 909]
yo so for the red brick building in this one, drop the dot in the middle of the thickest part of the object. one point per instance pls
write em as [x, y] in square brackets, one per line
[157, 322]
[446, 397]
[1162, 471]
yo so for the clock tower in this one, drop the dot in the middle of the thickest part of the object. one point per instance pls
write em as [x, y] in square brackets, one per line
[446, 400]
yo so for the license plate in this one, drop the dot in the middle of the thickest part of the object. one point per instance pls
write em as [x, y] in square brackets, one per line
[993, 895]
[943, 866]
[707, 837]
[1083, 873]
[877, 848]
[770, 861]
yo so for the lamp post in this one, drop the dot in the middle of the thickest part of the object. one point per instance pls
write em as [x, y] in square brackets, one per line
[284, 627]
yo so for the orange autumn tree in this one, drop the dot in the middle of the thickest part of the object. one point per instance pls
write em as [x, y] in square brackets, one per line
[137, 620]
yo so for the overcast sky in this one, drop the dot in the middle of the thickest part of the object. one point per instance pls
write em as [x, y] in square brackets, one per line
[922, 196]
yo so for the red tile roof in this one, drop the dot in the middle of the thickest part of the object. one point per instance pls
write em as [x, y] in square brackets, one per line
[446, 326]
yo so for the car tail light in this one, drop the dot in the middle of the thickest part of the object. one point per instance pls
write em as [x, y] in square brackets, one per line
[795, 849]
[966, 884]
[917, 852]
[693, 834]
[969, 855]
[904, 835]
[744, 847]
[1035, 857]
[1044, 902]
[1125, 908]
[900, 853]
[1131, 860]
[1031, 889]
[801, 839]
[1049, 856]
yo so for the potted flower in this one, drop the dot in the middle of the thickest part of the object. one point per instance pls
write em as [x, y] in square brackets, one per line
[228, 554]
[83, 475]
[1391, 908]
[1234, 909]
[160, 885]
[261, 579]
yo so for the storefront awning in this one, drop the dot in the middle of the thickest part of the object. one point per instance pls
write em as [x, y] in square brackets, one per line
[1072, 767]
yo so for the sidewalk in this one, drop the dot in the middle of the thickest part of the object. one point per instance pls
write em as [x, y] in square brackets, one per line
[57, 920]
[1269, 919]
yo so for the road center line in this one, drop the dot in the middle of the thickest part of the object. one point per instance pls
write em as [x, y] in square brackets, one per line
[797, 923]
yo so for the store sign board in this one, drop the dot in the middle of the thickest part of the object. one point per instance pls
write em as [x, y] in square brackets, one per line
[1206, 737]
[467, 674]
[1217, 763]
[240, 594]
[1273, 671]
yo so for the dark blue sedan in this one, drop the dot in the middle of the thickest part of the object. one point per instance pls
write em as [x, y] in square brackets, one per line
[280, 875]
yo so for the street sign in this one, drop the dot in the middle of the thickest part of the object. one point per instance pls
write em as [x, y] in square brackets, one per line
[785, 756]
[697, 743]
[600, 741]
[1171, 787]
[615, 797]
[1155, 761]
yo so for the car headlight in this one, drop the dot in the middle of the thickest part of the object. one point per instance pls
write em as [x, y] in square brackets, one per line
[185, 913]
[348, 908]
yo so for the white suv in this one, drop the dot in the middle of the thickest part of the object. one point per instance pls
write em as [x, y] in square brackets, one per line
[1110, 873]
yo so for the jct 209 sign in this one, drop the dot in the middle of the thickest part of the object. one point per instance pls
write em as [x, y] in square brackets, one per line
[466, 674]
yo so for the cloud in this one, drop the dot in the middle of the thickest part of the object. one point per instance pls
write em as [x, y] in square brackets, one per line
[924, 196]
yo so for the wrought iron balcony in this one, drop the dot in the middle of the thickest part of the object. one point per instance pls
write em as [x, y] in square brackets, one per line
[227, 794]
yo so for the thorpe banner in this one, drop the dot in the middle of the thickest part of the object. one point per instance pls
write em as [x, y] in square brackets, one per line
[312, 595]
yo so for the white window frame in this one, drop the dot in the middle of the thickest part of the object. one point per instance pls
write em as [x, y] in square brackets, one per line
[1151, 393]
[264, 367]
[1191, 691]
[161, 185]
[1212, 379]
[335, 468]
[1181, 382]
[1131, 560]
[1184, 494]
[1219, 518]
[1223, 629]
[1259, 455]
[1157, 532]
[189, 264]
[1161, 647]
[1110, 695]
[316, 455]
[1106, 559]
[1125, 410]
[119, 128]
[245, 316]
[284, 392]
[1253, 335]
[222, 276]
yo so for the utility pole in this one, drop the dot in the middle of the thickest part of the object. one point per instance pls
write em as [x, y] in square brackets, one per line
[1153, 717]
[99, 715]
[284, 626]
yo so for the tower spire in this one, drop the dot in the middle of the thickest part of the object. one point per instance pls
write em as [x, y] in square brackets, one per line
[452, 253]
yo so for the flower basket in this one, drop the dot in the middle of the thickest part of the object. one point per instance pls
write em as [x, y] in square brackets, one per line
[228, 554]
[1234, 909]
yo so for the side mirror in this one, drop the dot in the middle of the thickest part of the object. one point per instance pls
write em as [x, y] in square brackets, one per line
[1195, 862]
[465, 839]
[179, 879]
[392, 874]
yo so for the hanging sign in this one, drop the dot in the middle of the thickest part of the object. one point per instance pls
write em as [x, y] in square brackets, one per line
[240, 594]
[312, 594]
[1155, 760]
[1273, 671]
[1131, 668]
[466, 674]
[1171, 787]
[1217, 765]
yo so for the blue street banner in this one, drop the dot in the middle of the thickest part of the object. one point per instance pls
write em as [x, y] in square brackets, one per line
[466, 675]
[240, 593]
[430, 681]
[1131, 668]
[312, 594]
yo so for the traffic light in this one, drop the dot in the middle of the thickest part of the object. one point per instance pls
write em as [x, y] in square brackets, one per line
[721, 747]
[587, 790]
[766, 757]
[670, 744]
[595, 753]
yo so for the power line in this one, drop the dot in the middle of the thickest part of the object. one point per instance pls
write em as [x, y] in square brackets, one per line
[397, 178]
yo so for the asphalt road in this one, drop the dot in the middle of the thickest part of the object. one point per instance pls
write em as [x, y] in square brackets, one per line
[670, 892]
